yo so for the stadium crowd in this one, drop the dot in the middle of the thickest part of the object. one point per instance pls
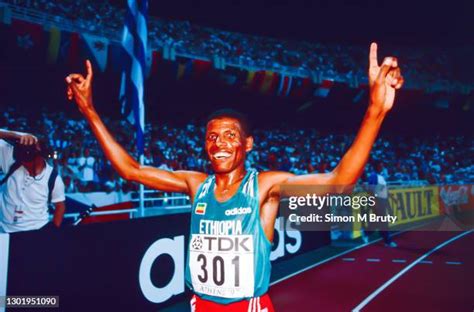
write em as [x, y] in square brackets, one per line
[433, 69]
[434, 160]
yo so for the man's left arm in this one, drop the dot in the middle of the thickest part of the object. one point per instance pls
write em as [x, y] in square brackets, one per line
[58, 198]
[59, 210]
[384, 80]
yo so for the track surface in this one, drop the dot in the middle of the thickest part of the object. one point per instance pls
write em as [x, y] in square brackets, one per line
[443, 281]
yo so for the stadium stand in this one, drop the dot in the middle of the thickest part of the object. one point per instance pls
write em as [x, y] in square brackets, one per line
[435, 70]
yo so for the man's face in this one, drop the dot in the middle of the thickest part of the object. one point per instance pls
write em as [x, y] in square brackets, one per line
[31, 164]
[226, 144]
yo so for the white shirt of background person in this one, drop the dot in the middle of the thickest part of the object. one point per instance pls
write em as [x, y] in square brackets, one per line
[381, 189]
[86, 165]
[24, 199]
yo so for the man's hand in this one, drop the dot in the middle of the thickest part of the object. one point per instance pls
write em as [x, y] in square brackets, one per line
[80, 89]
[383, 80]
[27, 139]
[22, 138]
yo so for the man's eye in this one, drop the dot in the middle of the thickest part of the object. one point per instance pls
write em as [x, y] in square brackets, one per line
[212, 137]
[231, 135]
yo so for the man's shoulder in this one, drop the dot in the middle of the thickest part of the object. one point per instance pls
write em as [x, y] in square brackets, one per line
[5, 144]
[52, 168]
[274, 176]
[6, 156]
[269, 181]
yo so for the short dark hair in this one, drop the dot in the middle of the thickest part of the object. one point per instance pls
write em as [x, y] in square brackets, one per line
[232, 113]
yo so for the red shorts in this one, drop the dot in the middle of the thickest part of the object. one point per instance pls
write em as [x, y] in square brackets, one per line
[257, 304]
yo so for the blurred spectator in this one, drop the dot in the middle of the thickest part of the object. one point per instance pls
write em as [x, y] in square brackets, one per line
[86, 168]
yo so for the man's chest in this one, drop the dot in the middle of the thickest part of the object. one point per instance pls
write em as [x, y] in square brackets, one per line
[23, 189]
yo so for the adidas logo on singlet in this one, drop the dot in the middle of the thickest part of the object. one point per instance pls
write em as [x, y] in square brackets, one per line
[238, 211]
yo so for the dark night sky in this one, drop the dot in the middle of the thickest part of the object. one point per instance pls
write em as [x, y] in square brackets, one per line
[401, 22]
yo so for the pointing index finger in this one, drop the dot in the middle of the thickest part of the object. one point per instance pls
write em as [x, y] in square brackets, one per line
[90, 73]
[373, 62]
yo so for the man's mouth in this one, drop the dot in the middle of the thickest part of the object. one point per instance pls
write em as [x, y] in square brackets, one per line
[221, 155]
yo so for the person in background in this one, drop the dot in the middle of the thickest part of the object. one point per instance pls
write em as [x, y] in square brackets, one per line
[29, 185]
[86, 168]
[379, 188]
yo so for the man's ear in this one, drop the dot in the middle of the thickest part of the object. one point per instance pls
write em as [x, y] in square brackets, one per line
[248, 143]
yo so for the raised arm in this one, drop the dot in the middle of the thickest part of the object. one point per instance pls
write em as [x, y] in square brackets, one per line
[80, 89]
[384, 80]
[22, 138]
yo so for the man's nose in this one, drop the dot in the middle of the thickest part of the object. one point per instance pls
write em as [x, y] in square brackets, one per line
[220, 141]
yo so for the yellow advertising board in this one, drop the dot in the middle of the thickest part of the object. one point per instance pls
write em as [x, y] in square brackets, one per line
[413, 204]
[408, 205]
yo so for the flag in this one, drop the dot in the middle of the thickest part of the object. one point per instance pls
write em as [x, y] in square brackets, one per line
[53, 45]
[301, 87]
[184, 69]
[249, 79]
[95, 48]
[285, 85]
[134, 42]
[324, 88]
[201, 67]
[27, 43]
[254, 80]
[180, 71]
[69, 48]
[269, 82]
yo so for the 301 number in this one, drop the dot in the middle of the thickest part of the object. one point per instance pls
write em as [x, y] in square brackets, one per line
[218, 275]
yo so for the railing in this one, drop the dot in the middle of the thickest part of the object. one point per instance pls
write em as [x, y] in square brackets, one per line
[407, 183]
[76, 216]
[155, 198]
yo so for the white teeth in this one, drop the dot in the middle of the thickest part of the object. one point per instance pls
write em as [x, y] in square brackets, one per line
[220, 155]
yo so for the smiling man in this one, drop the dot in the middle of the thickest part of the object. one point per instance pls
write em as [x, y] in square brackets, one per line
[234, 210]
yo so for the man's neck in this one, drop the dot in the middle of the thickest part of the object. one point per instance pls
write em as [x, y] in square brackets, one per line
[36, 167]
[229, 178]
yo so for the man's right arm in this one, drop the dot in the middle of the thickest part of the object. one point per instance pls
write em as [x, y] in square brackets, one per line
[80, 89]
[22, 138]
[129, 169]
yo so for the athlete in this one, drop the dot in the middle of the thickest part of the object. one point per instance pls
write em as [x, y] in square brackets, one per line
[234, 210]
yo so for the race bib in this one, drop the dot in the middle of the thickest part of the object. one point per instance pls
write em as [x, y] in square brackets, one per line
[222, 265]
